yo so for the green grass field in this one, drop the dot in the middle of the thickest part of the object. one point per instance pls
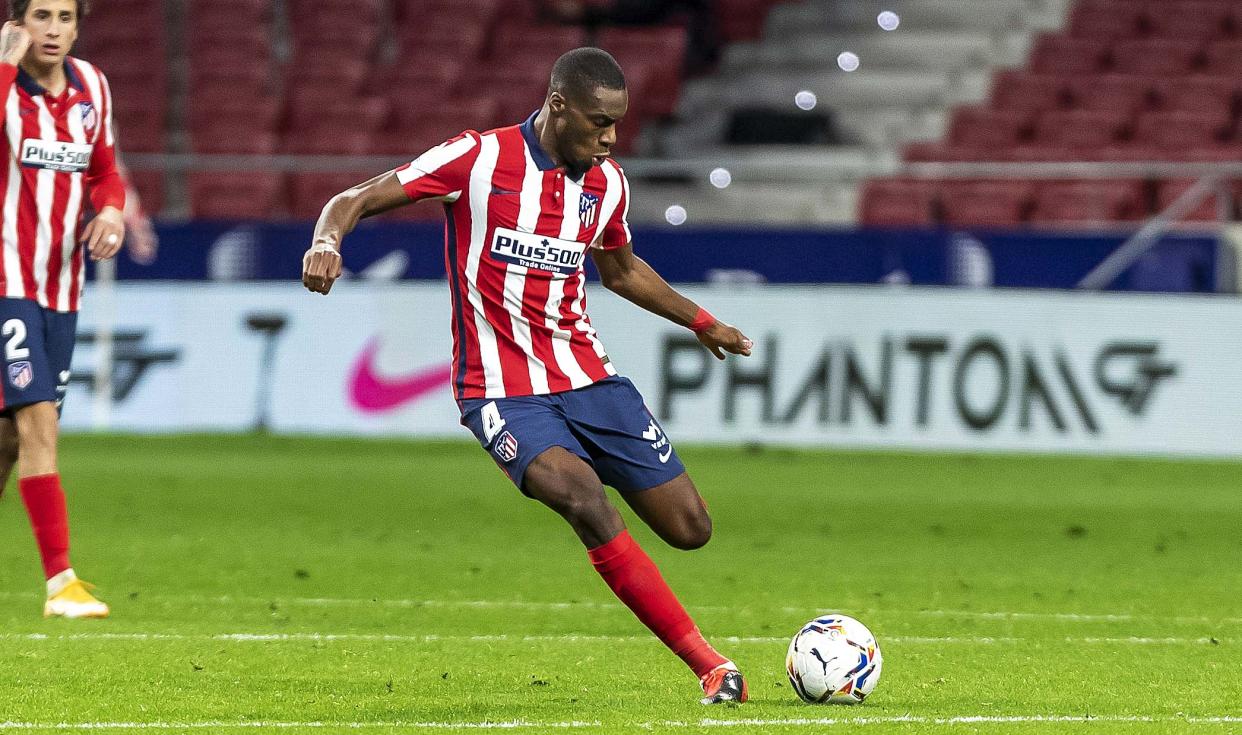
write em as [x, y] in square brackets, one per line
[312, 586]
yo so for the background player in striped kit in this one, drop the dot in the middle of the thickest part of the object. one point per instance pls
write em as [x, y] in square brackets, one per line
[56, 152]
[535, 386]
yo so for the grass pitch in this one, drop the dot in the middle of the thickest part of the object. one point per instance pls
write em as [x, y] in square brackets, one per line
[312, 586]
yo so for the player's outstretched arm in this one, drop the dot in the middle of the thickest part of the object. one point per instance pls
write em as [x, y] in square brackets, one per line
[321, 265]
[631, 278]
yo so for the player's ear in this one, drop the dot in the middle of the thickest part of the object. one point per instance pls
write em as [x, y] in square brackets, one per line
[556, 102]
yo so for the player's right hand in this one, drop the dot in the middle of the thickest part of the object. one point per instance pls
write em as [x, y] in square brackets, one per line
[14, 42]
[321, 266]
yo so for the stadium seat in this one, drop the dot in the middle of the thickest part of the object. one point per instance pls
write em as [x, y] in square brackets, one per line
[234, 137]
[896, 203]
[1055, 54]
[1155, 57]
[445, 37]
[1088, 201]
[318, 109]
[150, 186]
[236, 195]
[1208, 95]
[1021, 90]
[1224, 58]
[1187, 19]
[474, 12]
[1121, 92]
[535, 46]
[742, 20]
[984, 203]
[658, 49]
[981, 127]
[1104, 19]
[1080, 129]
[1178, 131]
[309, 192]
[213, 105]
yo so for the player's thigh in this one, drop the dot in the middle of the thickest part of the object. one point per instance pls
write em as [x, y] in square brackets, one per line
[568, 485]
[33, 364]
[675, 511]
[515, 431]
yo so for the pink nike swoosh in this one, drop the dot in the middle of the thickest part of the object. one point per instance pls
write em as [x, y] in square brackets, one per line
[371, 393]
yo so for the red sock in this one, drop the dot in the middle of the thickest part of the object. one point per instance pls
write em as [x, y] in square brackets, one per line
[632, 575]
[45, 504]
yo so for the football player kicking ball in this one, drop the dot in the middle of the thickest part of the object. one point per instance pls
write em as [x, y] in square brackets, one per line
[523, 205]
[57, 152]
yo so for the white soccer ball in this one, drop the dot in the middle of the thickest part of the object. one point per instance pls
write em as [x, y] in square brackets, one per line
[834, 658]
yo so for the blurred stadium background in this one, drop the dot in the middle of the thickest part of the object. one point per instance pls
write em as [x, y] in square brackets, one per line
[779, 153]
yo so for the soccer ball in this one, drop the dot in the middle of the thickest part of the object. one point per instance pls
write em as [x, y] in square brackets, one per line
[834, 658]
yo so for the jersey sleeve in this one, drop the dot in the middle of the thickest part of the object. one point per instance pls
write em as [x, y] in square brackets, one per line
[442, 172]
[616, 233]
[103, 181]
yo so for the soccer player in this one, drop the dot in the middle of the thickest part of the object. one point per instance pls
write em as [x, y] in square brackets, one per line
[57, 152]
[524, 204]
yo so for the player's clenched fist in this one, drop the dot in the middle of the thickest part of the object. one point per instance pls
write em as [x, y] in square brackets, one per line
[104, 234]
[14, 42]
[721, 338]
[321, 266]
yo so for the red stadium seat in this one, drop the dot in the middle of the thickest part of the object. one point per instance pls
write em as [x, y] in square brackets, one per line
[1208, 95]
[313, 109]
[212, 105]
[236, 195]
[1155, 57]
[1080, 129]
[1175, 132]
[235, 137]
[895, 203]
[538, 46]
[309, 192]
[1102, 19]
[1192, 19]
[1055, 54]
[984, 203]
[1021, 90]
[1088, 201]
[659, 49]
[742, 20]
[328, 141]
[1208, 210]
[1224, 58]
[518, 90]
[442, 37]
[1108, 92]
[475, 12]
[981, 127]
[150, 186]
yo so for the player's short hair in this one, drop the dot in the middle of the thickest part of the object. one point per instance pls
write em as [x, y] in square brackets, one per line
[18, 8]
[578, 73]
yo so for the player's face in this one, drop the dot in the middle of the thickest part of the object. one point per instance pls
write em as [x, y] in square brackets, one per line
[53, 27]
[587, 128]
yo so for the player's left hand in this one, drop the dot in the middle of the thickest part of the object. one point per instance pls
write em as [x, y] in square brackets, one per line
[144, 243]
[321, 266]
[104, 234]
[721, 338]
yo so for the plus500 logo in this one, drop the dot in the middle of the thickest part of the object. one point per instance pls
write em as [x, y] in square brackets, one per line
[537, 252]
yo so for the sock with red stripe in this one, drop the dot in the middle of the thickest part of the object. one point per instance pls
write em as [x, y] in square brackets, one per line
[634, 578]
[45, 504]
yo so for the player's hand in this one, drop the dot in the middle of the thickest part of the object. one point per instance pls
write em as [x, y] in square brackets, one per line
[721, 338]
[14, 43]
[104, 234]
[321, 266]
[144, 243]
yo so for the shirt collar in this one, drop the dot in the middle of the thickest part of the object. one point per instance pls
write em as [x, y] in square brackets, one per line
[28, 83]
[537, 153]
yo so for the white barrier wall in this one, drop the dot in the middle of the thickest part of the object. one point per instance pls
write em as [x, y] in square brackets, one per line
[860, 367]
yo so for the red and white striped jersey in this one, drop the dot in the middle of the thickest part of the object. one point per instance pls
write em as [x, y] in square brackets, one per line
[55, 153]
[517, 232]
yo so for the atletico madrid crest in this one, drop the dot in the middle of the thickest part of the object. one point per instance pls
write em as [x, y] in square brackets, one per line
[588, 209]
[21, 374]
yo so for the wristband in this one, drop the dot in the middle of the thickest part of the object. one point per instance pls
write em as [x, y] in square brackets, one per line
[703, 321]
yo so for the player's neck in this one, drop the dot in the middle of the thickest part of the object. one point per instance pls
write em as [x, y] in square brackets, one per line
[49, 76]
[546, 137]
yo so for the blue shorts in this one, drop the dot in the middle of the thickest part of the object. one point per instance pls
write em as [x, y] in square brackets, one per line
[38, 347]
[606, 424]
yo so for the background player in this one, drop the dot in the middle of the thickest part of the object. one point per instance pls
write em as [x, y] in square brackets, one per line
[58, 114]
[532, 379]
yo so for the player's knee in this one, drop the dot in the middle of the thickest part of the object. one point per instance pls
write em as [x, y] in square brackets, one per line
[692, 533]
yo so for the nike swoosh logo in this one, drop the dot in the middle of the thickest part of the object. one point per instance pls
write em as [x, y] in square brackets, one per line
[370, 392]
[664, 457]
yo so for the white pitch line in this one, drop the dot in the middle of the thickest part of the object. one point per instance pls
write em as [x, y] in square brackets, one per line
[592, 605]
[577, 725]
[561, 638]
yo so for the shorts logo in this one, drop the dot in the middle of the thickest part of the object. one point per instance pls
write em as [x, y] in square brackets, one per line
[537, 252]
[20, 374]
[506, 447]
[658, 441]
[588, 209]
